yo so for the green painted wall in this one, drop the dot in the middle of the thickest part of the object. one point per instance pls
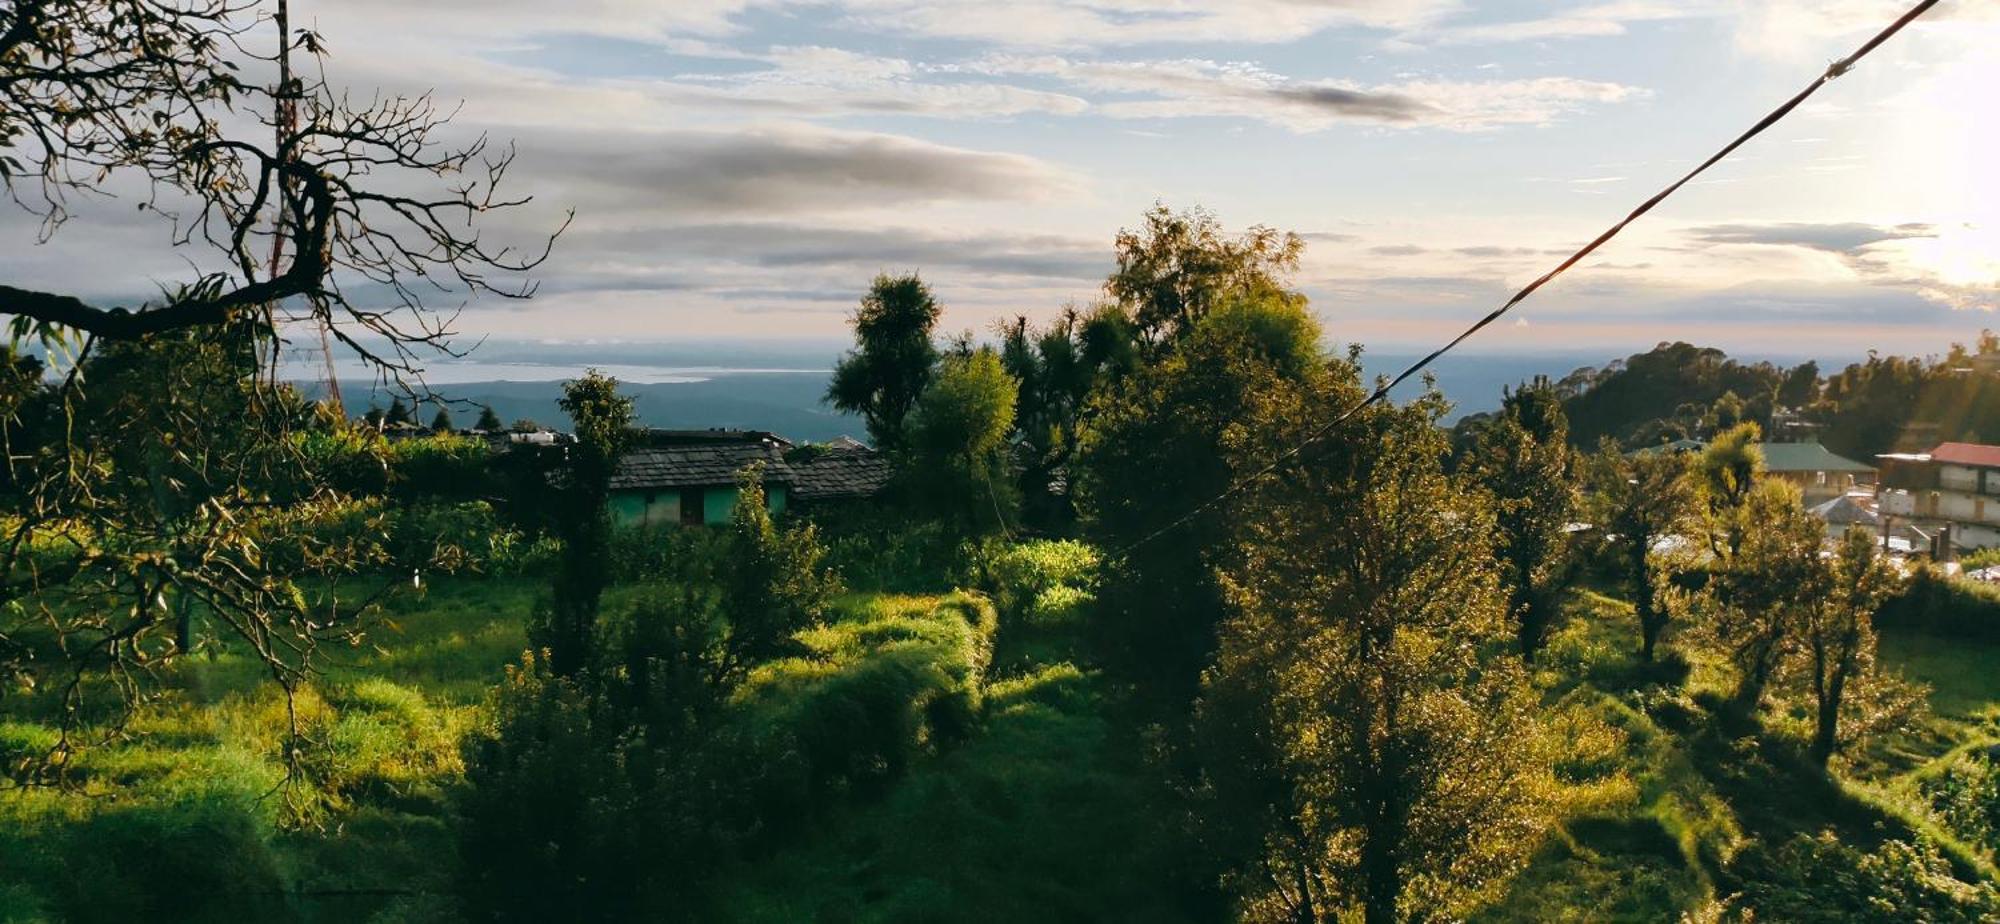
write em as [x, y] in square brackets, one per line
[631, 508]
[719, 504]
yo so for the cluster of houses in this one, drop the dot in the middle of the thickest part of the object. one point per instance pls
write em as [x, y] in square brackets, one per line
[1938, 502]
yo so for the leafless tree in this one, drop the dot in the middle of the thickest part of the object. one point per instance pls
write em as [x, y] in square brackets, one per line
[165, 478]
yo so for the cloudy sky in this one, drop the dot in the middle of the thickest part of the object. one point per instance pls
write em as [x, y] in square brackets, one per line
[744, 167]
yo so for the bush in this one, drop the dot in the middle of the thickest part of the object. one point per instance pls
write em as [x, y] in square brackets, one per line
[1938, 605]
[1018, 576]
[1966, 795]
[441, 467]
[1819, 879]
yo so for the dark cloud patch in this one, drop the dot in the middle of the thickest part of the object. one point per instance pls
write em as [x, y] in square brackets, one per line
[1358, 104]
[776, 172]
[808, 264]
[1846, 238]
[1397, 250]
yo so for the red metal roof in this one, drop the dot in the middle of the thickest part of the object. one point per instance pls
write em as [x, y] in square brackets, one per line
[1967, 454]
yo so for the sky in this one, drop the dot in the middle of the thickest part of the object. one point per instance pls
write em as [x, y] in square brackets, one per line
[743, 168]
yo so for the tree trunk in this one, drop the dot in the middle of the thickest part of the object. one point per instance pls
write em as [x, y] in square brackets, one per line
[1381, 873]
[1642, 604]
[1826, 731]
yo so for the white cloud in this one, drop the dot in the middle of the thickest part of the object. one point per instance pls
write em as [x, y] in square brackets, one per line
[1604, 19]
[1193, 87]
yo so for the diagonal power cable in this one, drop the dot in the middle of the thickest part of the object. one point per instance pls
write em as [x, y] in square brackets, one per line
[1381, 392]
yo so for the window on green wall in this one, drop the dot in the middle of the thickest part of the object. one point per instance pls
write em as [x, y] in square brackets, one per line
[691, 506]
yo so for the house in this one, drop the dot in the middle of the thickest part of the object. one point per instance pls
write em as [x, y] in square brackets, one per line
[1954, 484]
[1819, 474]
[689, 477]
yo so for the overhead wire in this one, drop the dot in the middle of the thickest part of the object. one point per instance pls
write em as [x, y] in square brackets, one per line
[1382, 390]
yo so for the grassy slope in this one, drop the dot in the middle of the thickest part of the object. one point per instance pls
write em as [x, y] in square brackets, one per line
[1046, 814]
[1704, 789]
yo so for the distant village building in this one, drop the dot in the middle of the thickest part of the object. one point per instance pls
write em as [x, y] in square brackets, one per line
[1954, 484]
[689, 477]
[1819, 474]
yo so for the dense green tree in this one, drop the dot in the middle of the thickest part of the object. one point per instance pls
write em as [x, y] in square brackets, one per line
[1178, 266]
[1762, 589]
[1058, 368]
[893, 358]
[1674, 383]
[957, 440]
[441, 421]
[1523, 459]
[602, 418]
[1165, 439]
[489, 421]
[1411, 780]
[1724, 475]
[374, 418]
[1639, 501]
[775, 581]
[1800, 388]
[1849, 694]
[398, 413]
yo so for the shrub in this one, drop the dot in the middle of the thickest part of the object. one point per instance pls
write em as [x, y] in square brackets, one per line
[1966, 795]
[1022, 573]
[441, 467]
[1820, 879]
[204, 852]
[1932, 603]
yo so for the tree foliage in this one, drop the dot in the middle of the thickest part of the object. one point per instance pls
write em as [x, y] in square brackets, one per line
[1523, 459]
[1178, 266]
[893, 358]
[1383, 748]
[957, 436]
[1171, 436]
[1058, 368]
[1640, 501]
[603, 421]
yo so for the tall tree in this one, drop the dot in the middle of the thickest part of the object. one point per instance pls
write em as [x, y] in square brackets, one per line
[399, 413]
[1726, 473]
[602, 419]
[1850, 695]
[957, 440]
[1177, 266]
[1164, 440]
[1411, 776]
[893, 357]
[1639, 501]
[1523, 459]
[489, 421]
[1763, 588]
[1059, 367]
[441, 421]
[1800, 387]
[278, 190]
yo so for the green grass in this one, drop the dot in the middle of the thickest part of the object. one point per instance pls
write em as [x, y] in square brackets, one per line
[1047, 814]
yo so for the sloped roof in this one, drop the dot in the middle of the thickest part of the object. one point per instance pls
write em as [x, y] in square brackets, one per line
[1806, 457]
[1967, 454]
[1847, 509]
[699, 465]
[841, 473]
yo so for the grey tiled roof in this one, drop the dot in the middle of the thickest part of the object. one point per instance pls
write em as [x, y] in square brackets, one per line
[695, 466]
[840, 473]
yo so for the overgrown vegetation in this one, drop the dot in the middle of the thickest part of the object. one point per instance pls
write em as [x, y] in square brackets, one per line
[1133, 633]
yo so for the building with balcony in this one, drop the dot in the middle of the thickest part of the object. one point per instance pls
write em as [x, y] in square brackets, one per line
[1955, 484]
